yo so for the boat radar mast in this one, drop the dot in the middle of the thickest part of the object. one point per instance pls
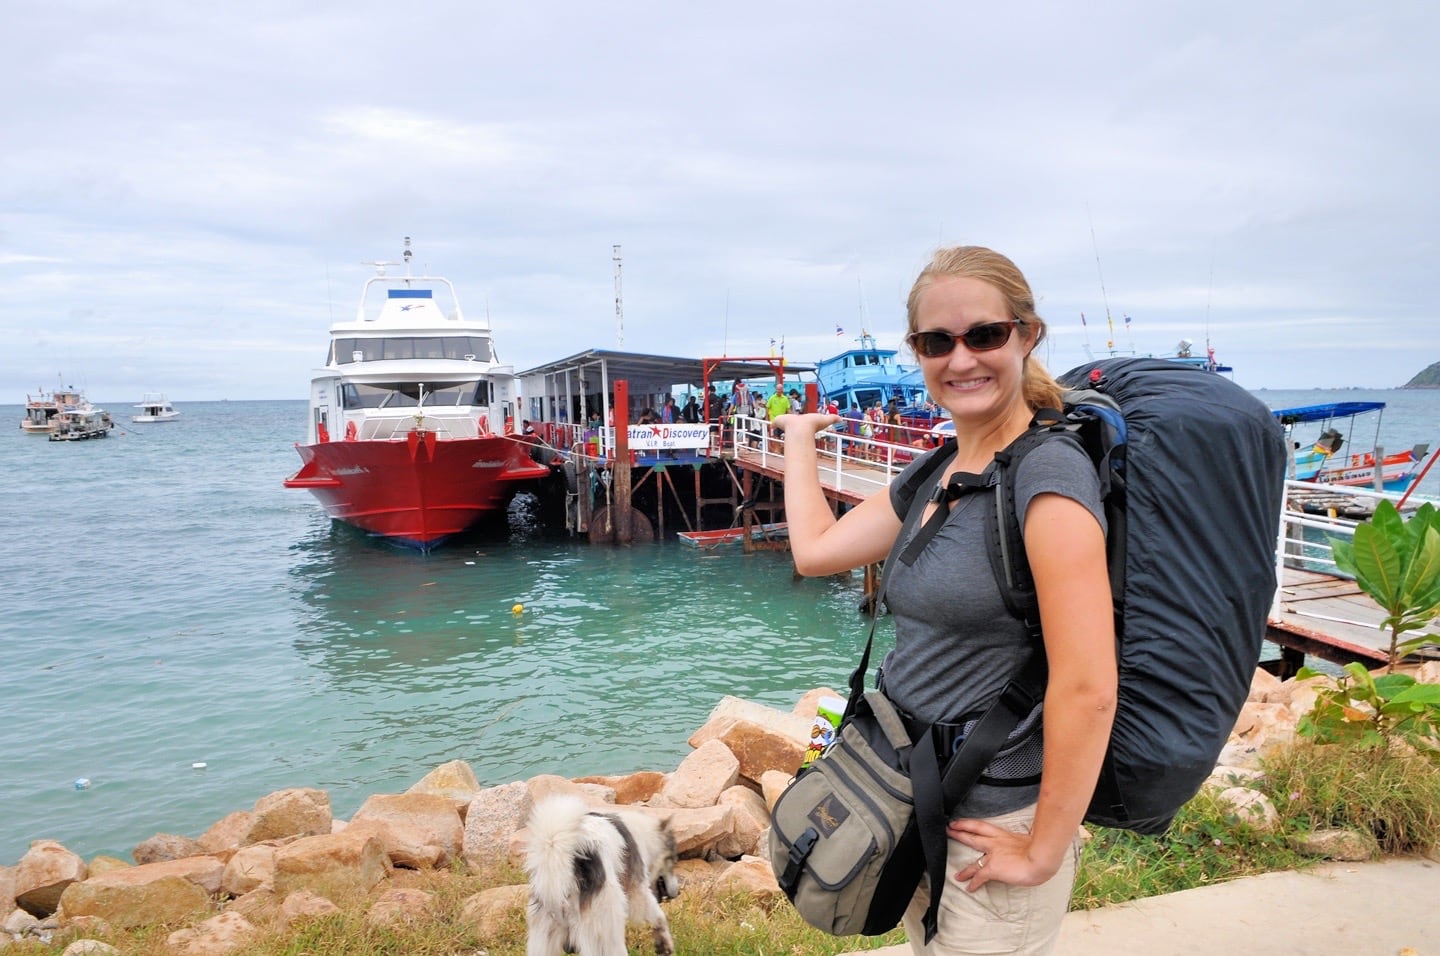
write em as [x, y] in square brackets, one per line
[380, 264]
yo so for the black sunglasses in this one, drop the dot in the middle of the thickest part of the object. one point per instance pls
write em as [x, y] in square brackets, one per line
[977, 338]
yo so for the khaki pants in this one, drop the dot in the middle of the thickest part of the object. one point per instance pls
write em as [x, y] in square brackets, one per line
[997, 918]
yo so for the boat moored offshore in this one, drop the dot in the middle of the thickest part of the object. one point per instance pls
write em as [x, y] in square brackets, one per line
[42, 409]
[409, 436]
[81, 424]
[154, 407]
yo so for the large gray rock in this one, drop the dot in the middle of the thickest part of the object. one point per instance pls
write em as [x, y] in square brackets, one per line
[494, 814]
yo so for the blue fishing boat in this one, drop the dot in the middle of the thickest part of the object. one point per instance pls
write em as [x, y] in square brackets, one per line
[864, 376]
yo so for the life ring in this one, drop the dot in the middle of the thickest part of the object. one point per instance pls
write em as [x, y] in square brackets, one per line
[350, 430]
[509, 425]
[484, 423]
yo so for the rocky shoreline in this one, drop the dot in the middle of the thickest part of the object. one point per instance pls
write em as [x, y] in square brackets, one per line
[274, 863]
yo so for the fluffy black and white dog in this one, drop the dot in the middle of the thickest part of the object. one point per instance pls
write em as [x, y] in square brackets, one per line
[591, 872]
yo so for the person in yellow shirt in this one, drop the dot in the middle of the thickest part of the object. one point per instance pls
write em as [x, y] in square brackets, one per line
[775, 406]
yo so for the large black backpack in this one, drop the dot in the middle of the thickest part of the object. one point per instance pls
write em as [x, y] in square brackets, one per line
[1192, 472]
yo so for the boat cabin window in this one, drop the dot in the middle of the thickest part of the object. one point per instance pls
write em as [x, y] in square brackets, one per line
[460, 347]
[407, 395]
[869, 396]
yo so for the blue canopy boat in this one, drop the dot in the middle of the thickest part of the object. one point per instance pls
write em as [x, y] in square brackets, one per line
[1322, 463]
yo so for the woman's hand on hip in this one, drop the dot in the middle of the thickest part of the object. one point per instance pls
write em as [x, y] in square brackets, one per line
[1004, 856]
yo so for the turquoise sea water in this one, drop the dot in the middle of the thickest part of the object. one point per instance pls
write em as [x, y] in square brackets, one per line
[170, 603]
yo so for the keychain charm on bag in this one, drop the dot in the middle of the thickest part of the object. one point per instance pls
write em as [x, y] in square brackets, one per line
[822, 732]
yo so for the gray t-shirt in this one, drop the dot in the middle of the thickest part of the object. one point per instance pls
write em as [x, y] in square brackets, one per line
[956, 644]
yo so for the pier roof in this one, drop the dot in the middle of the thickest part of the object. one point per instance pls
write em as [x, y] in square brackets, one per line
[658, 371]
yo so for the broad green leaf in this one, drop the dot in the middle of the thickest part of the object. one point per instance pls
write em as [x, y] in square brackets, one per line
[1422, 574]
[1377, 565]
[1414, 644]
[1344, 554]
[1362, 685]
[1387, 518]
[1388, 685]
[1420, 694]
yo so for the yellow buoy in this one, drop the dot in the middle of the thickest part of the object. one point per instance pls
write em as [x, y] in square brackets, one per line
[517, 609]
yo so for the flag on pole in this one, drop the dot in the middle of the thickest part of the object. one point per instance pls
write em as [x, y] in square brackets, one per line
[772, 346]
[1127, 321]
[839, 331]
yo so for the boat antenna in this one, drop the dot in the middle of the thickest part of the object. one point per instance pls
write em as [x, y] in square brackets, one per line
[1209, 290]
[1104, 298]
[860, 289]
[619, 300]
[725, 338]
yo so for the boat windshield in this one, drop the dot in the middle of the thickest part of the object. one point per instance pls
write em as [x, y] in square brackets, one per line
[407, 394]
[462, 347]
[869, 396]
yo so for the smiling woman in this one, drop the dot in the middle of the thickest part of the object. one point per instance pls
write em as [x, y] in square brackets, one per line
[1012, 844]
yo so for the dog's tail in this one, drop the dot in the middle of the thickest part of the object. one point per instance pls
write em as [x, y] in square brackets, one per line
[558, 838]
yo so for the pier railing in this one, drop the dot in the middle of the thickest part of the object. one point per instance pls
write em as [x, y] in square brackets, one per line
[1315, 514]
[854, 462]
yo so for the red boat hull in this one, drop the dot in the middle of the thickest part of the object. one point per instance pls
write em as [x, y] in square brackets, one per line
[418, 491]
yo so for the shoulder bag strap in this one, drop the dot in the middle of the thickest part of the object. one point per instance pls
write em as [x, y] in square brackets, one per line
[916, 481]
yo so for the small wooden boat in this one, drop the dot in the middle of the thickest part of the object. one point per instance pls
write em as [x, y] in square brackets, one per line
[719, 536]
[1321, 463]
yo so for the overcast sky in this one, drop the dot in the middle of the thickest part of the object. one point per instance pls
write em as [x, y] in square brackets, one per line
[190, 188]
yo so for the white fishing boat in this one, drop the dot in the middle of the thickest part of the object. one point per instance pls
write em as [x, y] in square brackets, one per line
[41, 409]
[154, 407]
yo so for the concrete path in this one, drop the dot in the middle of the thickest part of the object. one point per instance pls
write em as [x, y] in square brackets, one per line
[1386, 908]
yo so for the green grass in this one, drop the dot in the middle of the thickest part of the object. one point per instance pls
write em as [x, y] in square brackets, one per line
[1392, 796]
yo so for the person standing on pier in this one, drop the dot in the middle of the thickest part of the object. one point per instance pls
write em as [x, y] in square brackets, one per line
[1013, 848]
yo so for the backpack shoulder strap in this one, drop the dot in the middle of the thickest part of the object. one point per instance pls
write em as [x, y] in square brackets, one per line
[1002, 522]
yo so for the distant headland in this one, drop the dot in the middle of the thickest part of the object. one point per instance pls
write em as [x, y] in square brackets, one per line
[1430, 378]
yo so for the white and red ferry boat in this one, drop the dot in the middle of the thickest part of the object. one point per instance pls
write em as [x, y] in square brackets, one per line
[409, 436]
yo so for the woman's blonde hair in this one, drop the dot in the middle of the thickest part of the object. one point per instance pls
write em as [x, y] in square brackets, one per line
[976, 262]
